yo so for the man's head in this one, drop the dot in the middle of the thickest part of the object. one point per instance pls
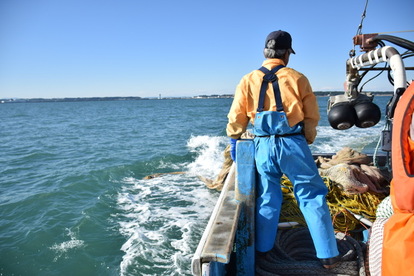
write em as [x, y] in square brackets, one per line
[277, 44]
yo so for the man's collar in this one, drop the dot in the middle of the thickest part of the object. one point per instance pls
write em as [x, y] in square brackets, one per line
[273, 62]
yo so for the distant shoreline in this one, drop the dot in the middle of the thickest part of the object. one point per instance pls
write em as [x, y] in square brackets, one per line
[224, 96]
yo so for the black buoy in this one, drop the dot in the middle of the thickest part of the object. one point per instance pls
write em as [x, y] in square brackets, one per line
[368, 114]
[342, 116]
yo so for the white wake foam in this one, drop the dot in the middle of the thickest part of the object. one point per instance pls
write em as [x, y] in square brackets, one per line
[209, 151]
[163, 218]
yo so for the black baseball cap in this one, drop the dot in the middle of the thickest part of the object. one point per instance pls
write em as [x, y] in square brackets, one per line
[282, 38]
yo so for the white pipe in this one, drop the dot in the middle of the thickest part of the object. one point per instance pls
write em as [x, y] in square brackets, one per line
[384, 54]
[397, 66]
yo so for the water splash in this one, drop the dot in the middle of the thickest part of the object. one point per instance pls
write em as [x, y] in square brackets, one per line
[209, 151]
[63, 248]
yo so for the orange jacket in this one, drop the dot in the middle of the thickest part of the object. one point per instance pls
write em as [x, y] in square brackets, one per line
[398, 244]
[299, 102]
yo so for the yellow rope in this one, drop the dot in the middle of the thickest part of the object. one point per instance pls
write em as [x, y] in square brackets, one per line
[340, 205]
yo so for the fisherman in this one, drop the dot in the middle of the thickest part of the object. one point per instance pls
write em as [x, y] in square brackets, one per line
[280, 104]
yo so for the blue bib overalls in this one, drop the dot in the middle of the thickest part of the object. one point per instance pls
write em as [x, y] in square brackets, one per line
[281, 149]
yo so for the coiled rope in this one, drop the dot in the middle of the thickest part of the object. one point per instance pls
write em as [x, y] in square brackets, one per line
[294, 254]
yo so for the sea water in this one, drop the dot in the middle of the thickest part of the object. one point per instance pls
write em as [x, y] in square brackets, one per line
[73, 200]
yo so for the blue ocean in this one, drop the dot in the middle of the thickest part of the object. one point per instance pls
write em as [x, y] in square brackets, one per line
[73, 200]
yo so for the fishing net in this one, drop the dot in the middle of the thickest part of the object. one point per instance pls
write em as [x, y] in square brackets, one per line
[352, 171]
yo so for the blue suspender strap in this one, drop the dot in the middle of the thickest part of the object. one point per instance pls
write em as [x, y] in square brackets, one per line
[263, 87]
[270, 76]
[276, 91]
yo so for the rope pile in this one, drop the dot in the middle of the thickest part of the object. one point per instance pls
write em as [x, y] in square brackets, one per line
[294, 254]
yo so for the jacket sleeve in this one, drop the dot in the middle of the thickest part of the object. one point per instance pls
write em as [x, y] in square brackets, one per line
[310, 110]
[238, 119]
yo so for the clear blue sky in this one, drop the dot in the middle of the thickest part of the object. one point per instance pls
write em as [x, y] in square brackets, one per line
[86, 48]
